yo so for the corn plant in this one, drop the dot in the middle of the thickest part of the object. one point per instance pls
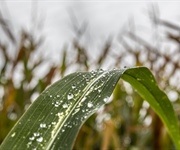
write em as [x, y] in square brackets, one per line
[119, 124]
[54, 119]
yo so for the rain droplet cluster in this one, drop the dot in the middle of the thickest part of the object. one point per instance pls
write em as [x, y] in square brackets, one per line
[69, 102]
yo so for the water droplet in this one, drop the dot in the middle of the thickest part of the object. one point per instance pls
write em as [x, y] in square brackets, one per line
[59, 114]
[53, 123]
[40, 139]
[50, 96]
[42, 125]
[12, 135]
[32, 138]
[99, 90]
[76, 110]
[65, 105]
[63, 130]
[57, 96]
[100, 70]
[105, 99]
[36, 134]
[28, 144]
[90, 105]
[56, 104]
[103, 75]
[84, 98]
[70, 96]
[73, 86]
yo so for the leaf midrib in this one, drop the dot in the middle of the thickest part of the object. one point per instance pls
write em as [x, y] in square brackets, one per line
[74, 106]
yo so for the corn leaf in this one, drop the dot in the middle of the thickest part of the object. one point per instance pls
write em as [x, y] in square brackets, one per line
[144, 82]
[54, 119]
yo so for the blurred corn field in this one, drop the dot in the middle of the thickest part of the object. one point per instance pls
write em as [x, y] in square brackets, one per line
[127, 122]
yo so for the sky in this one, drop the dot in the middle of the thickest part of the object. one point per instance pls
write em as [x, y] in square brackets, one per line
[103, 18]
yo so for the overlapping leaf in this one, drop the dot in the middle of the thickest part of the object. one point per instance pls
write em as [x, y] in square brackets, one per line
[143, 81]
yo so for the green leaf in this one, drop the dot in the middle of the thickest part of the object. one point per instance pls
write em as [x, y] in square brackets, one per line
[54, 119]
[143, 81]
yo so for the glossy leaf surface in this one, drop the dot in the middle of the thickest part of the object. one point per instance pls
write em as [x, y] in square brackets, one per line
[54, 119]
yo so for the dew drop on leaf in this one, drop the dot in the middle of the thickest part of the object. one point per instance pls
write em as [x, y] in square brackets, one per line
[99, 90]
[70, 96]
[36, 134]
[28, 144]
[32, 138]
[53, 123]
[56, 104]
[12, 135]
[83, 99]
[73, 86]
[60, 114]
[65, 105]
[89, 105]
[42, 125]
[76, 110]
[105, 99]
[40, 139]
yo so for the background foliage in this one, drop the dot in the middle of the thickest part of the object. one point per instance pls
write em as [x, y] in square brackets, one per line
[125, 123]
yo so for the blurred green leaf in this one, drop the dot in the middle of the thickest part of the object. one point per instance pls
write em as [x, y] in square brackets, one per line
[54, 119]
[143, 81]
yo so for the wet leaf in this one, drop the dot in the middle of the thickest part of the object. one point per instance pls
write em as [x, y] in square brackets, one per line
[54, 119]
[143, 81]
